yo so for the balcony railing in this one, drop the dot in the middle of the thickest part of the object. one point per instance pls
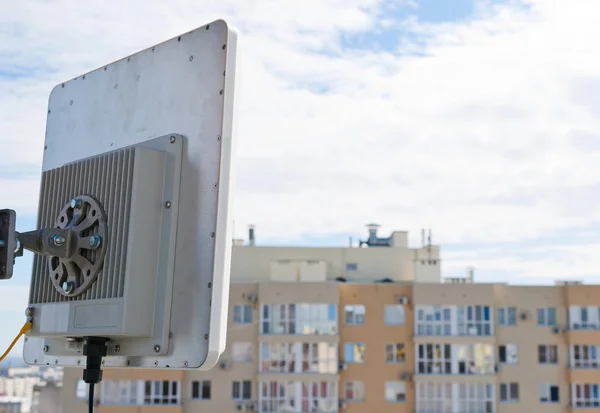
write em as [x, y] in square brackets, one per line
[584, 326]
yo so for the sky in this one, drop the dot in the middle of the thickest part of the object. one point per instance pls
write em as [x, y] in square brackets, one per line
[475, 118]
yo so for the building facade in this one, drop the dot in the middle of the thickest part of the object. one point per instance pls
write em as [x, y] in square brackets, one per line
[374, 330]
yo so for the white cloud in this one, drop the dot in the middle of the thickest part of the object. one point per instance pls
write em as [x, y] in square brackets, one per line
[483, 130]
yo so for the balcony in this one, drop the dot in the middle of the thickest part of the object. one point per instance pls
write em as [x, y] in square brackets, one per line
[584, 326]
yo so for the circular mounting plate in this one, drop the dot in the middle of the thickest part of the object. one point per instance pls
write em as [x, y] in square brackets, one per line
[74, 275]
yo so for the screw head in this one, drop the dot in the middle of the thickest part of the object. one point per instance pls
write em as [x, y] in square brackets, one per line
[28, 312]
[117, 348]
[57, 240]
[95, 241]
[76, 203]
[185, 363]
[172, 138]
[156, 348]
[68, 287]
[168, 204]
[46, 348]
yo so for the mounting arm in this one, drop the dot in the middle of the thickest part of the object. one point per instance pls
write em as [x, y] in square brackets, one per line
[75, 246]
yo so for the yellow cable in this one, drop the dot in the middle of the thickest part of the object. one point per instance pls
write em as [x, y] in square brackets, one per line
[23, 331]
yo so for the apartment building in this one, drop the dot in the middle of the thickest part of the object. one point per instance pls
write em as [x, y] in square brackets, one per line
[373, 329]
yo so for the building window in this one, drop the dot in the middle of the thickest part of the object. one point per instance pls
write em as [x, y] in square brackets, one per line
[278, 396]
[123, 393]
[474, 320]
[549, 393]
[394, 315]
[434, 397]
[241, 390]
[241, 352]
[278, 358]
[547, 354]
[434, 359]
[449, 398]
[395, 391]
[354, 314]
[507, 316]
[351, 267]
[509, 392]
[394, 353]
[585, 395]
[508, 354]
[161, 392]
[584, 356]
[242, 314]
[476, 397]
[354, 391]
[201, 390]
[473, 359]
[354, 353]
[546, 316]
[434, 321]
[299, 319]
[584, 318]
[319, 358]
[467, 359]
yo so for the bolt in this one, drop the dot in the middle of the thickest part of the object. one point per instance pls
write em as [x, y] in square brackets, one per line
[172, 139]
[206, 336]
[155, 363]
[95, 241]
[46, 349]
[68, 287]
[117, 348]
[185, 363]
[168, 204]
[57, 240]
[76, 203]
[28, 312]
[156, 348]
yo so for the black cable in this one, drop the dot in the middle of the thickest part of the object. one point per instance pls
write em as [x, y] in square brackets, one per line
[94, 348]
[91, 399]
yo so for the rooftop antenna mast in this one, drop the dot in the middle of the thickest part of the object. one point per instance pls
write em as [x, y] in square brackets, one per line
[429, 245]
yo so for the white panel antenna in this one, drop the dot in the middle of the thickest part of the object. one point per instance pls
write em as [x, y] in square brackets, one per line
[132, 246]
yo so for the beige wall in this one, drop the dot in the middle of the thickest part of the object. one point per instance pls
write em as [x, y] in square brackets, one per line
[527, 335]
[254, 263]
[374, 372]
